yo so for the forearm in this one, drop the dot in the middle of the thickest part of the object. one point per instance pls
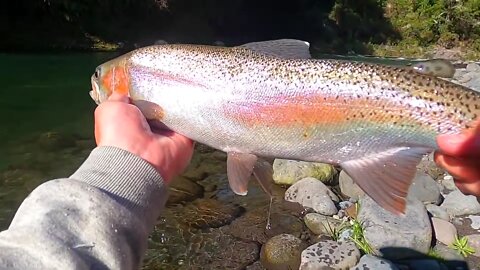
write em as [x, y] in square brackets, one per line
[99, 218]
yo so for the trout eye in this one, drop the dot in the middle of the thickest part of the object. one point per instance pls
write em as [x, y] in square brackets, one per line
[97, 73]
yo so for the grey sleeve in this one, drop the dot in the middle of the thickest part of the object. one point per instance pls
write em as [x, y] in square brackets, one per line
[98, 218]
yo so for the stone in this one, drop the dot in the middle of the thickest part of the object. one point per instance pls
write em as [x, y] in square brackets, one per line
[437, 211]
[425, 189]
[282, 252]
[312, 193]
[255, 266]
[444, 231]
[449, 183]
[473, 67]
[396, 236]
[475, 222]
[348, 187]
[320, 224]
[457, 204]
[474, 242]
[370, 262]
[288, 172]
[331, 254]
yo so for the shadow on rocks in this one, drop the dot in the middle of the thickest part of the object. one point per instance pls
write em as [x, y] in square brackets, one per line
[423, 261]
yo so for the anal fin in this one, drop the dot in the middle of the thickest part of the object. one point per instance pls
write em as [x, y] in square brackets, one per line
[386, 176]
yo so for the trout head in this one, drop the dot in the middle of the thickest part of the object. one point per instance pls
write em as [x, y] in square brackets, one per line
[108, 78]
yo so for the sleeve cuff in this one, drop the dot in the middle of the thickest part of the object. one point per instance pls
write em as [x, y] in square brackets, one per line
[129, 179]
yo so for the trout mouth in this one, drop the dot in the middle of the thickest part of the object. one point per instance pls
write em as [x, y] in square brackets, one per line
[94, 93]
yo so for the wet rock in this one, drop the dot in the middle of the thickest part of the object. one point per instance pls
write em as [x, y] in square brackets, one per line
[474, 242]
[444, 231]
[456, 204]
[203, 164]
[320, 224]
[282, 252]
[181, 189]
[331, 254]
[54, 141]
[348, 187]
[255, 266]
[312, 193]
[425, 189]
[252, 225]
[288, 172]
[174, 245]
[208, 213]
[394, 236]
[370, 262]
[437, 211]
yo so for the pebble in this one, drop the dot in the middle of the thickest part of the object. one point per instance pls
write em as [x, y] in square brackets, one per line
[370, 262]
[329, 254]
[314, 194]
[348, 187]
[288, 172]
[457, 204]
[395, 236]
[445, 232]
[282, 252]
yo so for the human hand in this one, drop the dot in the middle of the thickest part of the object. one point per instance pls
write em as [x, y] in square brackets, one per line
[460, 156]
[121, 124]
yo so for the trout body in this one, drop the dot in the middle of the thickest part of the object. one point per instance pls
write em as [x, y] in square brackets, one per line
[374, 121]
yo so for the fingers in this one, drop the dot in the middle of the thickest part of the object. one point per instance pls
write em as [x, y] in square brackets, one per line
[460, 145]
[466, 170]
[469, 188]
[115, 96]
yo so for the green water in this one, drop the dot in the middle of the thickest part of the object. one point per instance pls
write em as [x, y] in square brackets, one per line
[46, 92]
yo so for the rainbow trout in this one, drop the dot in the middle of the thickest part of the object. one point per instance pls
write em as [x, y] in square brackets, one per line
[268, 99]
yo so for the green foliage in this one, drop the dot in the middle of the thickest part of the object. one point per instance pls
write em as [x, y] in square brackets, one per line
[358, 237]
[334, 232]
[461, 246]
[432, 253]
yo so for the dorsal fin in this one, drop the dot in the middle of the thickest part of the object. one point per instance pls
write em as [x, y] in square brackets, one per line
[283, 48]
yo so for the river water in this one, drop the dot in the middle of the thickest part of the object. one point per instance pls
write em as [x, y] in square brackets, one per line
[46, 117]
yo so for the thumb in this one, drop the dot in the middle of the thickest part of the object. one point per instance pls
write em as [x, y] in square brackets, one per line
[115, 96]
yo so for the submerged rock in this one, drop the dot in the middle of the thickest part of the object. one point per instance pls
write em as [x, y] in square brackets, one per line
[370, 262]
[288, 172]
[474, 242]
[282, 252]
[312, 193]
[181, 189]
[329, 254]
[208, 213]
[394, 236]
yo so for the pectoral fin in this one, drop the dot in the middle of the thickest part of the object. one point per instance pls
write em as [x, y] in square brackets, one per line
[240, 168]
[386, 176]
[283, 48]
